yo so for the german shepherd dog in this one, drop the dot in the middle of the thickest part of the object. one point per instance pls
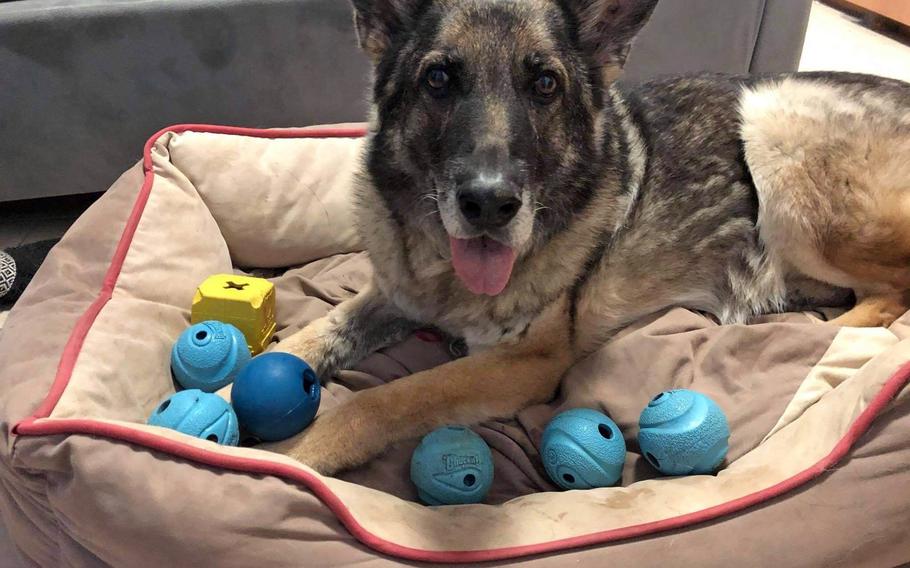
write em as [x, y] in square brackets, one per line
[514, 196]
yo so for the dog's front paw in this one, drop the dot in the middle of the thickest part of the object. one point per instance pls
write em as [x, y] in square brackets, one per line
[306, 449]
[339, 439]
[309, 344]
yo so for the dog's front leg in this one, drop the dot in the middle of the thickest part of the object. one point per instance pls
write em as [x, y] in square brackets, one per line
[350, 332]
[492, 384]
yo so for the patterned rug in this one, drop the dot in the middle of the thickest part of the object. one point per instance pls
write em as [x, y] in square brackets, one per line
[7, 272]
[7, 277]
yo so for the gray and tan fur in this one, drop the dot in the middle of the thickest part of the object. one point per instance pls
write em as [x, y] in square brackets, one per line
[496, 124]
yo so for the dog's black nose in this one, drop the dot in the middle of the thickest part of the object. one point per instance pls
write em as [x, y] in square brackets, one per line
[486, 208]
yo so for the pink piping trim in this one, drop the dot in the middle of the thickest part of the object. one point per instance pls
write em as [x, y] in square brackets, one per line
[35, 426]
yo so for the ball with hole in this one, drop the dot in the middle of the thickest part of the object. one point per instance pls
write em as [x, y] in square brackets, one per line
[276, 396]
[452, 466]
[682, 432]
[200, 414]
[208, 356]
[583, 449]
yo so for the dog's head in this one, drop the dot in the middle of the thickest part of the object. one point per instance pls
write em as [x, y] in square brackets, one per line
[488, 118]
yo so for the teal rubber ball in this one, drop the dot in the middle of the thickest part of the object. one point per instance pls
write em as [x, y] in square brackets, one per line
[682, 432]
[199, 414]
[583, 449]
[452, 466]
[209, 355]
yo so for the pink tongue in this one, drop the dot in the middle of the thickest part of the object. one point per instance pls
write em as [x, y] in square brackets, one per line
[483, 264]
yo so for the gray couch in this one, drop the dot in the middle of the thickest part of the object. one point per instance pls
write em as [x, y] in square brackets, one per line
[86, 82]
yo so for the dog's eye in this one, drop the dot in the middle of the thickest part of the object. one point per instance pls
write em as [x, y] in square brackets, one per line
[545, 86]
[438, 80]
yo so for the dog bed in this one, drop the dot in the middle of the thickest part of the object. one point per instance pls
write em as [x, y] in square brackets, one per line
[818, 472]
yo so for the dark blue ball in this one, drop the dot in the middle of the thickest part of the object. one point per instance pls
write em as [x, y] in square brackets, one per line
[583, 449]
[682, 432]
[452, 466]
[196, 413]
[208, 356]
[276, 396]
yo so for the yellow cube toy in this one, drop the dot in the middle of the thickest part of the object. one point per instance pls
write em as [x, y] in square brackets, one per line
[244, 302]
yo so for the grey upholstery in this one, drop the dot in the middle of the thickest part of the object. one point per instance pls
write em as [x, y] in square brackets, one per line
[86, 82]
[725, 36]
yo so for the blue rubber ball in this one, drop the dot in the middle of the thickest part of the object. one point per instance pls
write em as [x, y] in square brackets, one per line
[452, 466]
[209, 355]
[276, 396]
[199, 414]
[583, 449]
[682, 432]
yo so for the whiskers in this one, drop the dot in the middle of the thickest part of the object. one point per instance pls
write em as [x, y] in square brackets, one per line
[538, 207]
[432, 197]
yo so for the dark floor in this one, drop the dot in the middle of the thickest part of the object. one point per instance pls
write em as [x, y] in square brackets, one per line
[23, 222]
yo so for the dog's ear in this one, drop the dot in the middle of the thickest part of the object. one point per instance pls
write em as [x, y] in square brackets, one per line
[606, 29]
[378, 21]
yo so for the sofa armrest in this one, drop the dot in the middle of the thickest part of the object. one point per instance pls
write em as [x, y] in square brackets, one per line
[779, 46]
[722, 36]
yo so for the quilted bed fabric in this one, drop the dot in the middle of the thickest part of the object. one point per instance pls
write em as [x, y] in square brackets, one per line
[818, 471]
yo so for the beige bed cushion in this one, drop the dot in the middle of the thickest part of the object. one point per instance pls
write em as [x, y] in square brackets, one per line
[272, 215]
[86, 480]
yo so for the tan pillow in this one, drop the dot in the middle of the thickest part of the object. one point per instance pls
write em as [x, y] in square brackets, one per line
[278, 202]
